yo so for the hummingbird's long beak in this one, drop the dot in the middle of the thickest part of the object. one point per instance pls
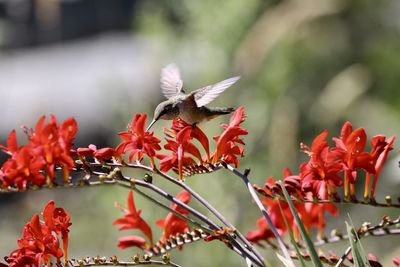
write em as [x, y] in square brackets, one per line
[151, 124]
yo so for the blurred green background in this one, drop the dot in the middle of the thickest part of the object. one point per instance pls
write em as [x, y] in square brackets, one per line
[306, 66]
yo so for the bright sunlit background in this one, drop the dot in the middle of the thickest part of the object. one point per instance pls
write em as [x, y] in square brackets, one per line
[306, 66]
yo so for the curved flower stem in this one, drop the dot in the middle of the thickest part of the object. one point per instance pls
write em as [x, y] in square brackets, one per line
[129, 183]
[180, 215]
[196, 196]
[261, 207]
[375, 233]
[93, 262]
[344, 257]
[371, 202]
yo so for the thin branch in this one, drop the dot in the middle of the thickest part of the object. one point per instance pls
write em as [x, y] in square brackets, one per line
[180, 215]
[195, 195]
[192, 211]
[98, 261]
[371, 202]
[260, 206]
[127, 183]
[344, 257]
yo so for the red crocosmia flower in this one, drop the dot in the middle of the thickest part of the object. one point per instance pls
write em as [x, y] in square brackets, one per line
[104, 153]
[12, 144]
[380, 150]
[321, 174]
[22, 169]
[181, 145]
[20, 257]
[58, 220]
[54, 143]
[132, 220]
[261, 233]
[137, 140]
[313, 215]
[196, 133]
[228, 148]
[172, 224]
[37, 245]
[350, 149]
[132, 241]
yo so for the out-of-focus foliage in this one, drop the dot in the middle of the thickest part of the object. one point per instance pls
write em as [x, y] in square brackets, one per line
[306, 66]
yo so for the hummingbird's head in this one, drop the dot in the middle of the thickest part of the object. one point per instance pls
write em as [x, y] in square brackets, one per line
[166, 110]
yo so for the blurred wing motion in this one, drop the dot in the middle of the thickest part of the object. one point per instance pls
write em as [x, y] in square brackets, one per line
[171, 83]
[205, 95]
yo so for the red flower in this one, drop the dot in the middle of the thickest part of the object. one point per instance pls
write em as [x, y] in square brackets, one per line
[172, 224]
[321, 173]
[261, 233]
[40, 242]
[132, 241]
[104, 153]
[58, 220]
[54, 143]
[350, 147]
[179, 147]
[228, 148]
[312, 215]
[137, 140]
[132, 220]
[22, 169]
[380, 151]
[196, 133]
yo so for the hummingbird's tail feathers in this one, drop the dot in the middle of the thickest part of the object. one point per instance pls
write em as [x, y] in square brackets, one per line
[223, 111]
[217, 111]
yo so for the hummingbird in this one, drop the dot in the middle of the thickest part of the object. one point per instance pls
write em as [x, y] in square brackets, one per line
[188, 107]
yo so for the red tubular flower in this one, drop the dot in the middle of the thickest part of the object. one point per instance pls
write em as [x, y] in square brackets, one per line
[172, 224]
[380, 150]
[104, 153]
[40, 242]
[312, 215]
[132, 241]
[54, 143]
[22, 169]
[179, 147]
[350, 149]
[132, 220]
[321, 174]
[228, 148]
[137, 140]
[261, 233]
[196, 133]
[58, 220]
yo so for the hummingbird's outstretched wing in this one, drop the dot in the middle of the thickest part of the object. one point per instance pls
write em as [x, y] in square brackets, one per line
[171, 83]
[205, 95]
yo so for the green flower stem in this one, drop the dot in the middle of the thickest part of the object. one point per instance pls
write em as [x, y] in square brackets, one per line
[198, 198]
[262, 209]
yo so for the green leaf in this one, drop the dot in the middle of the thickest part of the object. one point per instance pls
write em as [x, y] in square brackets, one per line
[285, 261]
[310, 246]
[294, 243]
[360, 258]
